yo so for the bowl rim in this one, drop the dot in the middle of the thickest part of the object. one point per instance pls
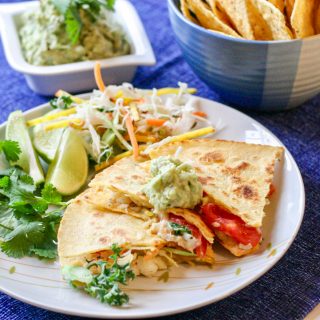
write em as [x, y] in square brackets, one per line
[142, 50]
[173, 6]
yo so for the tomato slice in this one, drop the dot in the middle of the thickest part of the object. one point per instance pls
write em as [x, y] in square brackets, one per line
[222, 220]
[202, 248]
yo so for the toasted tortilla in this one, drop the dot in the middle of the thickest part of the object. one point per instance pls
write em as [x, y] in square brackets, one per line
[274, 18]
[84, 229]
[128, 177]
[302, 18]
[317, 19]
[237, 12]
[235, 175]
[208, 19]
[261, 29]
[186, 12]
[279, 4]
[289, 7]
[233, 246]
[105, 198]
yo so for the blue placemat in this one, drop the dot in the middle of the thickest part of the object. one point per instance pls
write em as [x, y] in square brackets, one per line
[292, 288]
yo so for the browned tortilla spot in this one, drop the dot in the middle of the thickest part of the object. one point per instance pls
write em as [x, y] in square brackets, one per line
[104, 239]
[247, 192]
[212, 157]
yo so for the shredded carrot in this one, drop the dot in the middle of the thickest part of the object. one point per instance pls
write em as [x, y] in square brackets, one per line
[200, 114]
[132, 136]
[156, 122]
[98, 77]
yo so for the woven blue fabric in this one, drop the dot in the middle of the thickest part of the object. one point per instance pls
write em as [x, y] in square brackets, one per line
[292, 288]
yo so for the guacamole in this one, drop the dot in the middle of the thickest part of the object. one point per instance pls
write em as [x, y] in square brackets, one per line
[45, 42]
[173, 185]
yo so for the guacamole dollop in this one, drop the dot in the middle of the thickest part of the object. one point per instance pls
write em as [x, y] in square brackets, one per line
[45, 42]
[174, 184]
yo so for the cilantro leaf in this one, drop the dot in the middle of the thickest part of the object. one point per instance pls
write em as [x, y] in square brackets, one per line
[70, 9]
[50, 194]
[104, 285]
[63, 102]
[11, 149]
[26, 226]
[21, 240]
[178, 229]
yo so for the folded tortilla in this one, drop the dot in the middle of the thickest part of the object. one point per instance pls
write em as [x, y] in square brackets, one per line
[85, 229]
[88, 232]
[235, 175]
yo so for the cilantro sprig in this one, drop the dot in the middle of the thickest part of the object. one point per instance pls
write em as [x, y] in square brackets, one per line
[10, 149]
[104, 285]
[27, 225]
[63, 102]
[178, 229]
[70, 9]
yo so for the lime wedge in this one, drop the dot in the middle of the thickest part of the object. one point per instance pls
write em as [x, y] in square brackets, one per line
[68, 171]
[29, 161]
[47, 142]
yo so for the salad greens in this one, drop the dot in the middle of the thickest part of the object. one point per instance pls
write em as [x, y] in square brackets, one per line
[104, 285]
[27, 225]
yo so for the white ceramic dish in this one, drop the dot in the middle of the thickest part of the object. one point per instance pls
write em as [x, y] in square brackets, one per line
[40, 284]
[76, 77]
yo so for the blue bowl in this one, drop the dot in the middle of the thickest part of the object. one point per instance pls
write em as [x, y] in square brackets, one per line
[259, 75]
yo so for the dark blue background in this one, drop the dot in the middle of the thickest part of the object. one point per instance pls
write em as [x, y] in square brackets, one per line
[292, 288]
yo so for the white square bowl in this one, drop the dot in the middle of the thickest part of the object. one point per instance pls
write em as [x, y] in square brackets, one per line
[78, 76]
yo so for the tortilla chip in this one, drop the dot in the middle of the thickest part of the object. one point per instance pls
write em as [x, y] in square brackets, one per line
[302, 18]
[235, 175]
[238, 13]
[219, 12]
[289, 8]
[207, 18]
[260, 28]
[274, 18]
[84, 229]
[317, 19]
[279, 4]
[185, 11]
[104, 198]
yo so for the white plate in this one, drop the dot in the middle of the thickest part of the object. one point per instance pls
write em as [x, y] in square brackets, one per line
[40, 284]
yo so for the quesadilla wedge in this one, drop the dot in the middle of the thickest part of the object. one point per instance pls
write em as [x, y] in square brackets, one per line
[236, 178]
[177, 188]
[87, 233]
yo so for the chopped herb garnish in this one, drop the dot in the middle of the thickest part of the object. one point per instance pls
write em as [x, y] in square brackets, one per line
[269, 246]
[12, 270]
[164, 277]
[178, 229]
[63, 102]
[272, 253]
[70, 9]
[104, 285]
[238, 271]
[210, 285]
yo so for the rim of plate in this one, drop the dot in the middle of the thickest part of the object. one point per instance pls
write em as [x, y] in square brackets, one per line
[301, 210]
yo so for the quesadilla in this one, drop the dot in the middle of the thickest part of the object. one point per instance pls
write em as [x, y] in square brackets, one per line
[236, 179]
[89, 229]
